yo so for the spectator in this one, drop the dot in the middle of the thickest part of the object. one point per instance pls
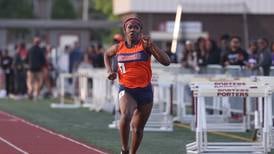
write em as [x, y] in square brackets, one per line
[36, 61]
[100, 56]
[1, 56]
[264, 57]
[86, 63]
[190, 57]
[252, 54]
[2, 79]
[6, 64]
[20, 70]
[235, 55]
[200, 47]
[117, 38]
[213, 52]
[48, 71]
[92, 55]
[63, 62]
[15, 48]
[172, 56]
[272, 51]
[75, 57]
[224, 43]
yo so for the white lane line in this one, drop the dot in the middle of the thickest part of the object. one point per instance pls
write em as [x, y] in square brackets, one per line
[8, 120]
[52, 133]
[12, 145]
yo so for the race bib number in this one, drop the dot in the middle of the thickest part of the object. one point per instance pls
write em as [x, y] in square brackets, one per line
[122, 67]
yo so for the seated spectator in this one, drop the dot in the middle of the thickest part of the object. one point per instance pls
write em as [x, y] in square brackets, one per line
[264, 58]
[224, 43]
[213, 52]
[252, 54]
[235, 54]
[201, 50]
[190, 57]
[208, 52]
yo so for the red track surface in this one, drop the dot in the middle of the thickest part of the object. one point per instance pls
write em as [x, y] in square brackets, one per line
[18, 136]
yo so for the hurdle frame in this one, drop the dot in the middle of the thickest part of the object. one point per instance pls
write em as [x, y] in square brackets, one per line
[62, 104]
[98, 99]
[201, 145]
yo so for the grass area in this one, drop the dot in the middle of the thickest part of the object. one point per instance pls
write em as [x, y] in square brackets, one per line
[92, 127]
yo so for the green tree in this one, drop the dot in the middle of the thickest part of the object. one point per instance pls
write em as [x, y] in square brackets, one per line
[63, 9]
[103, 7]
[16, 9]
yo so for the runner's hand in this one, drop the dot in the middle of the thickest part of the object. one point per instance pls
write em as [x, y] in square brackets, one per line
[112, 76]
[147, 43]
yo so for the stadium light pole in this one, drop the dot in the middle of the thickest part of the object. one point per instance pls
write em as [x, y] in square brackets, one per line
[176, 29]
[245, 25]
[85, 10]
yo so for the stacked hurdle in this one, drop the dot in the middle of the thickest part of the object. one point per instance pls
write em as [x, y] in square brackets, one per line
[95, 98]
[183, 102]
[209, 89]
[161, 116]
[219, 119]
[267, 81]
[184, 98]
[62, 87]
[99, 96]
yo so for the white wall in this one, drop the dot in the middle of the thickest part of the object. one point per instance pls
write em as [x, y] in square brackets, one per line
[194, 6]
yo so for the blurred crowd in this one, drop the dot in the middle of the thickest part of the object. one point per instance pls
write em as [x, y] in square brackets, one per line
[32, 72]
[257, 57]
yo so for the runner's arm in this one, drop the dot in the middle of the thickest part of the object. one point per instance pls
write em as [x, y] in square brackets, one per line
[160, 55]
[107, 60]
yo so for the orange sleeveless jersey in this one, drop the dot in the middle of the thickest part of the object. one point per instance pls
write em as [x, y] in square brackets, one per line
[134, 65]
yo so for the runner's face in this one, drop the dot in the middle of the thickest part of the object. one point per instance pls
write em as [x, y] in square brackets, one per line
[133, 31]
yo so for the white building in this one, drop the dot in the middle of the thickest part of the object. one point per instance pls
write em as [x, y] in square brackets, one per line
[249, 19]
